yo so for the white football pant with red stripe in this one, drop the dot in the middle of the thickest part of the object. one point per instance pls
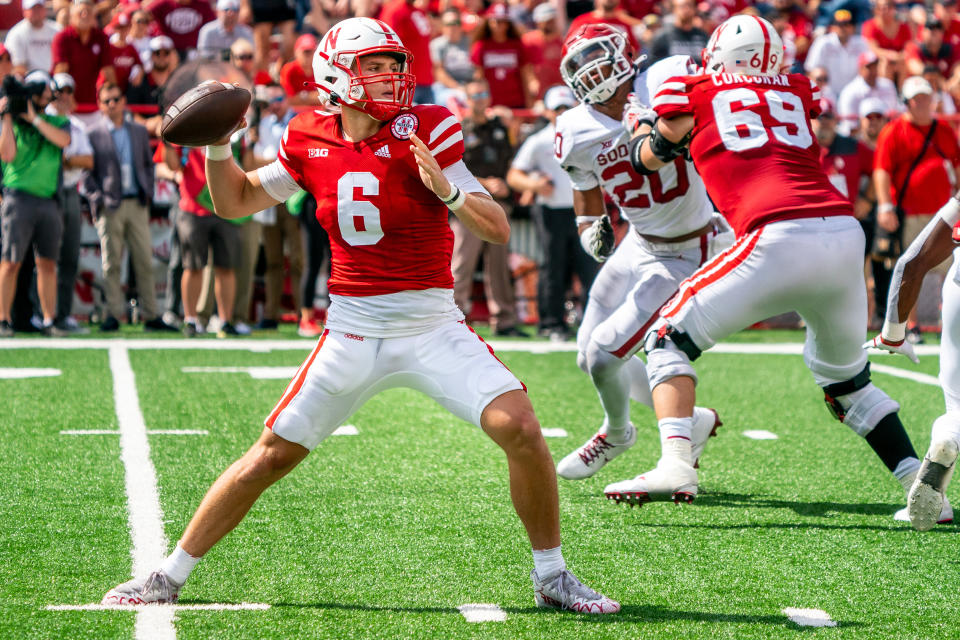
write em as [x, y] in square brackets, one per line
[451, 364]
[813, 266]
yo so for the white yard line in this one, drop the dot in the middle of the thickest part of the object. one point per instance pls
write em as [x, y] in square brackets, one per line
[257, 373]
[143, 499]
[760, 434]
[922, 378]
[17, 373]
[242, 606]
[158, 432]
[482, 613]
[345, 430]
[809, 617]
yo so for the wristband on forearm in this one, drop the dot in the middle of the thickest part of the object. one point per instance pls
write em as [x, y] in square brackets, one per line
[455, 198]
[587, 219]
[886, 207]
[219, 152]
[893, 332]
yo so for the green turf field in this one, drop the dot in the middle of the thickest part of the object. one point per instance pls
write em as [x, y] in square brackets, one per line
[385, 533]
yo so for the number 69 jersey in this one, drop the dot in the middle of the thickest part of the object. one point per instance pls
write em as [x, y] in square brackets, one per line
[592, 148]
[753, 145]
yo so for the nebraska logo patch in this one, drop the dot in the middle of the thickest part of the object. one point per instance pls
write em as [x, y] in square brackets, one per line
[404, 125]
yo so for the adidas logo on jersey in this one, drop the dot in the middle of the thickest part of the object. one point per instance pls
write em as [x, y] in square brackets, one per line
[383, 152]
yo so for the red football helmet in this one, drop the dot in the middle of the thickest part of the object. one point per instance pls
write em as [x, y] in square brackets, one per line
[597, 59]
[337, 75]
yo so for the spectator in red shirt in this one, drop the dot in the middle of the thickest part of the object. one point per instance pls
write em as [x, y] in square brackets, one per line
[503, 60]
[608, 12]
[887, 35]
[545, 45]
[946, 12]
[126, 61]
[898, 147]
[415, 31]
[930, 50]
[81, 49]
[295, 73]
[180, 20]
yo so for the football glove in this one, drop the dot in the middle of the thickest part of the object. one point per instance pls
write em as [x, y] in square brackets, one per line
[598, 239]
[903, 347]
[635, 114]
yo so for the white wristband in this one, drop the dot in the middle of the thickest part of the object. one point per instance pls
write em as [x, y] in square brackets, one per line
[587, 219]
[950, 212]
[893, 331]
[457, 202]
[886, 207]
[219, 152]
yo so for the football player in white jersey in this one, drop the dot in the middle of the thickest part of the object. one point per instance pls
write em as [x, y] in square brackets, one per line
[673, 230]
[927, 503]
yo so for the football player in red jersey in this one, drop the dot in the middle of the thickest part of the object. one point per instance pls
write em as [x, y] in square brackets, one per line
[384, 175]
[798, 248]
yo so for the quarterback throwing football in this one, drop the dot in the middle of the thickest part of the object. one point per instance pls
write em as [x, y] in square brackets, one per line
[384, 175]
[798, 246]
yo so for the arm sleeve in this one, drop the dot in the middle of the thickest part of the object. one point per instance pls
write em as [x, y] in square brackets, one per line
[673, 99]
[277, 181]
[458, 174]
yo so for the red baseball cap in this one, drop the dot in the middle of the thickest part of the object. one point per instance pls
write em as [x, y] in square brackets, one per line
[498, 11]
[306, 42]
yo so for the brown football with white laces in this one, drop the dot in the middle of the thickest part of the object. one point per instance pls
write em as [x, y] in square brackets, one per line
[205, 114]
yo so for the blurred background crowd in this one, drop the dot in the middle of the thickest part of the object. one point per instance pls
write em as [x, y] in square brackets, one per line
[116, 227]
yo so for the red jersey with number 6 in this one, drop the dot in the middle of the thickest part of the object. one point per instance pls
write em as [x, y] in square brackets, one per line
[388, 232]
[753, 145]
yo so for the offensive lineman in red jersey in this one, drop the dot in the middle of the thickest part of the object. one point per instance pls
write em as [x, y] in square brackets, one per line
[384, 175]
[798, 246]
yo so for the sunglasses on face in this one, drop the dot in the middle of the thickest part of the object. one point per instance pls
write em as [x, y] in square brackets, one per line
[874, 116]
[112, 100]
[821, 79]
[66, 90]
[244, 56]
[278, 99]
[162, 52]
[142, 21]
[479, 96]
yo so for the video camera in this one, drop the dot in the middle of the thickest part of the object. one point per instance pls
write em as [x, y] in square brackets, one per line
[19, 92]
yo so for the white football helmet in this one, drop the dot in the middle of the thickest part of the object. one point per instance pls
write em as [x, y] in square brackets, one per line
[336, 71]
[744, 44]
[597, 59]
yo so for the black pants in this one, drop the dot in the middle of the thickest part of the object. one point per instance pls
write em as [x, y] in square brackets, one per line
[316, 248]
[562, 257]
[69, 251]
[174, 266]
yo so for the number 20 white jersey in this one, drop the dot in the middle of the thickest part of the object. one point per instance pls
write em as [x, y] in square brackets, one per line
[592, 148]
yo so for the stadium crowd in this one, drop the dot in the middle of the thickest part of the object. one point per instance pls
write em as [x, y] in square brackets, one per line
[103, 72]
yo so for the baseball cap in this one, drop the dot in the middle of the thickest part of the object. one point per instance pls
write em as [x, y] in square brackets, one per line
[228, 5]
[872, 105]
[559, 96]
[306, 42]
[867, 58]
[842, 16]
[29, 4]
[159, 43]
[544, 12]
[499, 11]
[914, 86]
[61, 81]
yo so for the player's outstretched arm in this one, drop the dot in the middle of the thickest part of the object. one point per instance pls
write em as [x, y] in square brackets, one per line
[235, 193]
[932, 246]
[478, 211]
[665, 143]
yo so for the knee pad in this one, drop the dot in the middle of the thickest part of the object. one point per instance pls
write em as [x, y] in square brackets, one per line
[669, 352]
[858, 404]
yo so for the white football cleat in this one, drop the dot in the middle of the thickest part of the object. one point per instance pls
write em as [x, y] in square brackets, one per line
[926, 499]
[946, 513]
[590, 458]
[672, 479]
[565, 591]
[157, 588]
[705, 423]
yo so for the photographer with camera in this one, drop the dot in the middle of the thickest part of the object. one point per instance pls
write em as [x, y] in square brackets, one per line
[31, 148]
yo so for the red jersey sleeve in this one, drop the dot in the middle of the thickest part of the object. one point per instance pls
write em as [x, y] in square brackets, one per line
[813, 100]
[288, 78]
[476, 53]
[293, 149]
[58, 50]
[673, 98]
[440, 131]
[865, 154]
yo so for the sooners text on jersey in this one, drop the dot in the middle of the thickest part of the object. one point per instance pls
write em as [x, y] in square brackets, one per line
[753, 145]
[388, 232]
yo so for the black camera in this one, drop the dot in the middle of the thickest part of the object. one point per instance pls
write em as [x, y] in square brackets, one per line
[17, 95]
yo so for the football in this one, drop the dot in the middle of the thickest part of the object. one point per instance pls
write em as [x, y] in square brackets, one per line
[205, 114]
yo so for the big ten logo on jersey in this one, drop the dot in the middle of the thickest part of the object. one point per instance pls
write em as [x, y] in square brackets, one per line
[318, 153]
[634, 191]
